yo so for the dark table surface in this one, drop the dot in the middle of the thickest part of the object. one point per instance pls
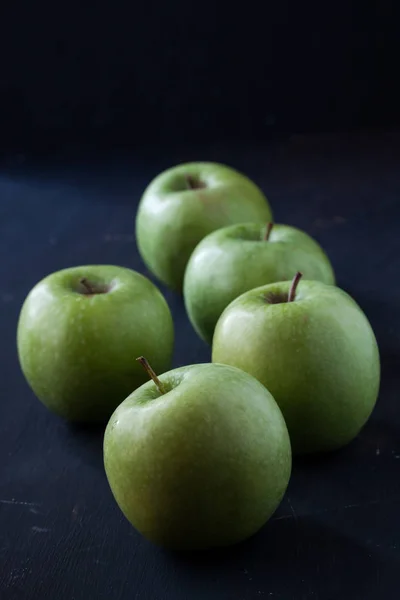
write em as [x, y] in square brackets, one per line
[336, 534]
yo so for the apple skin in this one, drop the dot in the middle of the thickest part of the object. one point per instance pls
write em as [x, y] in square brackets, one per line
[77, 350]
[235, 259]
[172, 217]
[205, 464]
[318, 356]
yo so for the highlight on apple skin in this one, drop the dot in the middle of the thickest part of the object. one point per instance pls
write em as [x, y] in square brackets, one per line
[185, 203]
[198, 457]
[312, 346]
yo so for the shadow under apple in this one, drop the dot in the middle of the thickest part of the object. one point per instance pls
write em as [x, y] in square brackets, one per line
[85, 441]
[293, 557]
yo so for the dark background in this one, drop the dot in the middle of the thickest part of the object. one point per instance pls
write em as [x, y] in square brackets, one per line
[87, 75]
[94, 102]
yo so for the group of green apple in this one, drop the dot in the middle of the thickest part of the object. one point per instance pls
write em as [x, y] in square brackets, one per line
[200, 456]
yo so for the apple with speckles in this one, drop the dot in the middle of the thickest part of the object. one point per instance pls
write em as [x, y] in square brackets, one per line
[198, 457]
[185, 203]
[238, 258]
[313, 347]
[79, 333]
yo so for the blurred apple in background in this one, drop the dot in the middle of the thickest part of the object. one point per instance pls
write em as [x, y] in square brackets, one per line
[185, 203]
[235, 259]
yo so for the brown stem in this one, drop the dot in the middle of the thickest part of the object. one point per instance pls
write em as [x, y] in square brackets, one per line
[267, 232]
[190, 182]
[293, 287]
[86, 285]
[146, 366]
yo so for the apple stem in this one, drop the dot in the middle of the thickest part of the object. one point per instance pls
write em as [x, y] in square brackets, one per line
[267, 232]
[146, 366]
[86, 285]
[293, 287]
[190, 182]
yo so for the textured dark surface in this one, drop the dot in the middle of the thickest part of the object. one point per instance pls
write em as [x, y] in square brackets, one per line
[336, 535]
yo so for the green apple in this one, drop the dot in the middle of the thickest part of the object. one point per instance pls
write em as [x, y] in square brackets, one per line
[314, 349]
[79, 332]
[238, 258]
[199, 457]
[185, 203]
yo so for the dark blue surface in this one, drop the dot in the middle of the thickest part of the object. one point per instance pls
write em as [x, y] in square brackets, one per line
[336, 535]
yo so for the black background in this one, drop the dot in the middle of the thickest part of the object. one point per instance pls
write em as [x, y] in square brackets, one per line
[93, 104]
[78, 75]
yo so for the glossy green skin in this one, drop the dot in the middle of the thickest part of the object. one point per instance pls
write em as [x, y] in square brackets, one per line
[235, 259]
[204, 465]
[318, 356]
[78, 351]
[172, 219]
